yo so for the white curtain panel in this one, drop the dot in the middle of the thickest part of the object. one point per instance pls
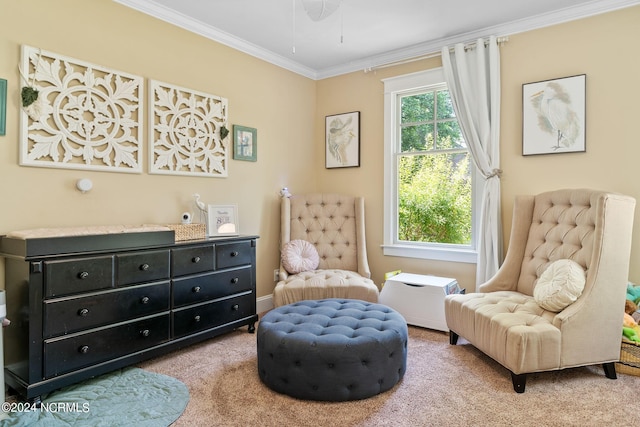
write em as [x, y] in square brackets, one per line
[473, 77]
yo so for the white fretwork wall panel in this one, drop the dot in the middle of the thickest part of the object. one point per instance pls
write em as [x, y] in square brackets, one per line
[184, 132]
[86, 116]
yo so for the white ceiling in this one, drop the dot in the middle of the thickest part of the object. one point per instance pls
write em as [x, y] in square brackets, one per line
[361, 34]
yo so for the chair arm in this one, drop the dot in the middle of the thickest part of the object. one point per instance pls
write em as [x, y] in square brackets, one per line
[285, 231]
[596, 317]
[361, 241]
[282, 273]
[506, 279]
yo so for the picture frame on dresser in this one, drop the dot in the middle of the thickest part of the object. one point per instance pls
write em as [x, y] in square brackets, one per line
[222, 220]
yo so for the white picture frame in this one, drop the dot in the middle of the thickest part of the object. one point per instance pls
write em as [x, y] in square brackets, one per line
[342, 140]
[554, 116]
[222, 220]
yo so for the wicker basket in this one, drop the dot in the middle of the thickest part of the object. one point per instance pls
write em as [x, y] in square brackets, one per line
[189, 231]
[629, 358]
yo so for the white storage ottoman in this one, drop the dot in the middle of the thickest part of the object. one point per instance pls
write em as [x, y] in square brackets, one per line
[419, 298]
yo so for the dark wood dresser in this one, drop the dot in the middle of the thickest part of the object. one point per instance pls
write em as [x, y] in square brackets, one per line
[81, 306]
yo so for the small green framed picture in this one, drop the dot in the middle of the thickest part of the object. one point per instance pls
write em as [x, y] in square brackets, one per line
[245, 143]
[3, 106]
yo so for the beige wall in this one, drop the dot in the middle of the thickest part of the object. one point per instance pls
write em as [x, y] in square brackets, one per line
[605, 49]
[288, 110]
[602, 47]
[280, 104]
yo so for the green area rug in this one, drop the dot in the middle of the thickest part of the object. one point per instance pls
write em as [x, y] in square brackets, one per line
[127, 397]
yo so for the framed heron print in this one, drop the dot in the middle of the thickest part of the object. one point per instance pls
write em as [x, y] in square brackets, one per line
[553, 116]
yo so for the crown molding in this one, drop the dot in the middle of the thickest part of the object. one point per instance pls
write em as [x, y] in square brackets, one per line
[520, 26]
[592, 8]
[188, 23]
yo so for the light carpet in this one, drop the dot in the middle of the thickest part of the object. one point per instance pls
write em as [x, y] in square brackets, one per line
[444, 385]
[126, 397]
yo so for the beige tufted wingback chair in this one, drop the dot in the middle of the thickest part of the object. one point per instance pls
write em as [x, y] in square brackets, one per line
[503, 319]
[334, 224]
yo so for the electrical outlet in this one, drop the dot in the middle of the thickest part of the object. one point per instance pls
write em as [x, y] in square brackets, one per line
[276, 275]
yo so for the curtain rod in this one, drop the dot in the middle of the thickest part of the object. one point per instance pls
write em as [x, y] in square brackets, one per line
[467, 46]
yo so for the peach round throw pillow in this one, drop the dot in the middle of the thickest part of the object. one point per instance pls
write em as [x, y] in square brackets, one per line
[298, 256]
[559, 285]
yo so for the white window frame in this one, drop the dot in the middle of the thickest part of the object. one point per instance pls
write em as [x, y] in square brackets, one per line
[393, 87]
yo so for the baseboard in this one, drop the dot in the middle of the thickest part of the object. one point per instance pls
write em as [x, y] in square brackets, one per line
[264, 303]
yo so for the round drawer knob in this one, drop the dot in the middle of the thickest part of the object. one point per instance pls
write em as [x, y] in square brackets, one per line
[144, 267]
[195, 259]
[235, 307]
[196, 289]
[83, 312]
[144, 300]
[84, 349]
[83, 274]
[196, 318]
[144, 332]
[235, 280]
[234, 253]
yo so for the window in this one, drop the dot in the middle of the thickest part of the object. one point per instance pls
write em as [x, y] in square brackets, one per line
[430, 180]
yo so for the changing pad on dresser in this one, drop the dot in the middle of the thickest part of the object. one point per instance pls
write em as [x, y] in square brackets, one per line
[45, 241]
[91, 230]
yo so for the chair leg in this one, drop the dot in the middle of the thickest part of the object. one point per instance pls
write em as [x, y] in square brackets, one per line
[453, 338]
[610, 370]
[519, 381]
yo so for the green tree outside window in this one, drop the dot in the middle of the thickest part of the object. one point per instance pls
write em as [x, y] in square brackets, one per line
[434, 181]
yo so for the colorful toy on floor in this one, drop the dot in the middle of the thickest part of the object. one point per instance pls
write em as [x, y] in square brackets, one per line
[633, 293]
[630, 328]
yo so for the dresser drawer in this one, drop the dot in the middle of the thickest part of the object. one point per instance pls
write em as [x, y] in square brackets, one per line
[64, 316]
[204, 316]
[78, 275]
[193, 289]
[233, 254]
[76, 351]
[190, 260]
[142, 267]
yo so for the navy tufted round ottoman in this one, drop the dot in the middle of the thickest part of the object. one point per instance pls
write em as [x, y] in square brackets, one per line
[332, 349]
